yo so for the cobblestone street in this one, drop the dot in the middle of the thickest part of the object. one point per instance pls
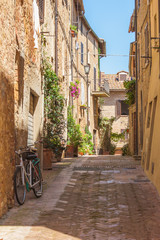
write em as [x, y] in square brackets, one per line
[95, 198]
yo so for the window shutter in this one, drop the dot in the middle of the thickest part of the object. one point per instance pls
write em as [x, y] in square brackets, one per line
[31, 121]
[41, 10]
[118, 106]
[82, 53]
[94, 79]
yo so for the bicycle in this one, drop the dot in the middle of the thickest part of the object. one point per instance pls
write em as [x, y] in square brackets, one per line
[27, 174]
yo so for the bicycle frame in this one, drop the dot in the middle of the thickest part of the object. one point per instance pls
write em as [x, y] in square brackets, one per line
[28, 176]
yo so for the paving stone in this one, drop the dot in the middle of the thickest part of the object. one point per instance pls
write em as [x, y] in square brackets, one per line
[86, 201]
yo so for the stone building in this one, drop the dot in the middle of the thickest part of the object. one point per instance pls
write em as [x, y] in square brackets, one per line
[148, 67]
[86, 52]
[21, 88]
[69, 54]
[33, 30]
[115, 106]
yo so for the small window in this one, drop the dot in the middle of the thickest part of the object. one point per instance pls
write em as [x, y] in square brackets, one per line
[146, 43]
[95, 79]
[149, 115]
[94, 47]
[122, 77]
[139, 3]
[122, 108]
[81, 27]
[41, 11]
[81, 53]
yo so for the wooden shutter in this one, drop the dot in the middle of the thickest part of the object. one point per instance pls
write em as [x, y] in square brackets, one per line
[118, 107]
[81, 52]
[31, 121]
[41, 10]
[94, 79]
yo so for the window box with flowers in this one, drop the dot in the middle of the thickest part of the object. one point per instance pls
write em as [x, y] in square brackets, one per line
[75, 90]
[84, 106]
[73, 30]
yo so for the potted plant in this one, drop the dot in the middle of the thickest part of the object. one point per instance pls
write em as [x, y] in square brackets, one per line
[86, 146]
[54, 124]
[74, 136]
[73, 30]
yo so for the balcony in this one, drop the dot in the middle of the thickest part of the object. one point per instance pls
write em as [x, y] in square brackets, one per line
[103, 91]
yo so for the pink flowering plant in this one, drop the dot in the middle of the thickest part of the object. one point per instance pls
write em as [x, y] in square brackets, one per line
[75, 90]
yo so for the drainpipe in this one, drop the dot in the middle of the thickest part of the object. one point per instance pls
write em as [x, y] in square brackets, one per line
[136, 147]
[87, 77]
[56, 37]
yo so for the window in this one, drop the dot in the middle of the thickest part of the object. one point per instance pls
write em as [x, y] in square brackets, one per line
[81, 27]
[122, 76]
[122, 108]
[94, 79]
[81, 53]
[41, 11]
[149, 115]
[146, 33]
[31, 121]
[138, 3]
[94, 47]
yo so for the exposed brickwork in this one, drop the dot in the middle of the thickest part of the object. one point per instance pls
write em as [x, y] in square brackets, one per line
[19, 75]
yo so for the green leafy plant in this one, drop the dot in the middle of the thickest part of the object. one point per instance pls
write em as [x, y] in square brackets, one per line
[87, 146]
[107, 137]
[73, 28]
[130, 91]
[125, 150]
[74, 133]
[112, 149]
[54, 124]
[117, 136]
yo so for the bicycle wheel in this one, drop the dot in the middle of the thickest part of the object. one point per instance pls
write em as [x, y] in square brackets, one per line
[36, 176]
[19, 187]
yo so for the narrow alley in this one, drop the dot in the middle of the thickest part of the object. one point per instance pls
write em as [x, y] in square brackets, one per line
[87, 198]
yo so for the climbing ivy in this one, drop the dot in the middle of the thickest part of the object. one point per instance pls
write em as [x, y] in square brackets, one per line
[54, 124]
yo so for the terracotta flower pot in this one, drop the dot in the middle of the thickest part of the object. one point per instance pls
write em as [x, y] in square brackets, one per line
[47, 158]
[71, 151]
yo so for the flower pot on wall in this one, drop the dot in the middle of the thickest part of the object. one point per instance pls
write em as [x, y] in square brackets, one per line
[72, 33]
[47, 158]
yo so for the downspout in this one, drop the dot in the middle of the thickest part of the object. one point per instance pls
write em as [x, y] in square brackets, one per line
[136, 147]
[87, 77]
[56, 37]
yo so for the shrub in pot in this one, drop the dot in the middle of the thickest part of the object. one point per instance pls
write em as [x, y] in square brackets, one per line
[74, 136]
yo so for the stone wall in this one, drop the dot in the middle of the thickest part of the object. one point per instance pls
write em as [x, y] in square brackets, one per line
[7, 141]
[109, 108]
[19, 77]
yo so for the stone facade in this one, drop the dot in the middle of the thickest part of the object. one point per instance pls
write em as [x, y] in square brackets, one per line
[28, 40]
[112, 106]
[87, 45]
[20, 78]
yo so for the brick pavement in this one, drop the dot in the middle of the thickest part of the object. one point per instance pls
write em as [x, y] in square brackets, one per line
[102, 198]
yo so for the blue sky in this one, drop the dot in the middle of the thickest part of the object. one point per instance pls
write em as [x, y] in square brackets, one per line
[110, 20]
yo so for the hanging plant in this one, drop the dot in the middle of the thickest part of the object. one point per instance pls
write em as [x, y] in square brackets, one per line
[75, 90]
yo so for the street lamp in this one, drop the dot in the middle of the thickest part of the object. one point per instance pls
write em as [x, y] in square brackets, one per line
[86, 70]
